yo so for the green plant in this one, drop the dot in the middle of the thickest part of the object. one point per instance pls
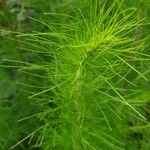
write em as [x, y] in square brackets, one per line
[86, 70]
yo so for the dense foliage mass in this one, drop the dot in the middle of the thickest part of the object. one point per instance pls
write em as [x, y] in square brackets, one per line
[74, 75]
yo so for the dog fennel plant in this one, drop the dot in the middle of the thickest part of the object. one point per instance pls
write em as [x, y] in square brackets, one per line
[89, 64]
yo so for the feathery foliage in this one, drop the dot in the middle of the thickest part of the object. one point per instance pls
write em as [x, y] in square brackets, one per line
[85, 73]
